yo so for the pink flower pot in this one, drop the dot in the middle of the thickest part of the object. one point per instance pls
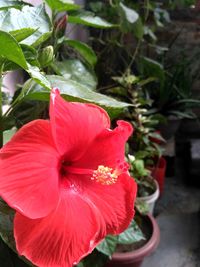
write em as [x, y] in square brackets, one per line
[136, 257]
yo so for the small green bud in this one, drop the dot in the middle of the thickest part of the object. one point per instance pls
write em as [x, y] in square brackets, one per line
[46, 56]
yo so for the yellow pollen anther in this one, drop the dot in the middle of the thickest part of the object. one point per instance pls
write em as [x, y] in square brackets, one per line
[105, 175]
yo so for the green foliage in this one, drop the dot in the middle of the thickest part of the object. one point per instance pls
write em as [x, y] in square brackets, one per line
[152, 68]
[36, 43]
[130, 21]
[172, 96]
[35, 19]
[108, 245]
[62, 5]
[12, 50]
[5, 4]
[134, 47]
[88, 19]
[84, 50]
[131, 235]
[35, 73]
[76, 71]
[71, 91]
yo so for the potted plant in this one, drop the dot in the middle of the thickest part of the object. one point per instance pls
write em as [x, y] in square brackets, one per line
[171, 92]
[148, 188]
[132, 255]
[129, 248]
[147, 143]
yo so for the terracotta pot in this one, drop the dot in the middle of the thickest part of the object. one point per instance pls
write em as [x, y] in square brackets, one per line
[136, 257]
[158, 173]
[151, 199]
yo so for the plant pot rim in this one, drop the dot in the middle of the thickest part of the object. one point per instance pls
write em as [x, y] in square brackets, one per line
[145, 250]
[153, 197]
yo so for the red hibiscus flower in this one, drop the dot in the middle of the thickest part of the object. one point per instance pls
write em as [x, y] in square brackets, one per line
[68, 182]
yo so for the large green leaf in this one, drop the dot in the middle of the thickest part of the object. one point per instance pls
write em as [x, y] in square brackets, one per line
[72, 91]
[9, 3]
[108, 245]
[84, 50]
[30, 55]
[62, 5]
[131, 235]
[74, 70]
[11, 50]
[33, 18]
[88, 19]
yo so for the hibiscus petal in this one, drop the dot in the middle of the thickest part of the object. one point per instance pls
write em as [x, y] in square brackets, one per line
[115, 202]
[108, 148]
[62, 238]
[75, 125]
[29, 175]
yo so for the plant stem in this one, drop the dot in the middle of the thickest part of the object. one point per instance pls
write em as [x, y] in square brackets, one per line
[134, 55]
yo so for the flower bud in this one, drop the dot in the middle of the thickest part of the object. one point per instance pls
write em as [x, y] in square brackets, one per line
[46, 56]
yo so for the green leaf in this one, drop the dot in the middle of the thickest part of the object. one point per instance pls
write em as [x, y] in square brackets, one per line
[17, 22]
[141, 206]
[7, 135]
[189, 101]
[20, 35]
[108, 245]
[72, 91]
[9, 3]
[138, 165]
[130, 14]
[75, 70]
[88, 19]
[157, 136]
[131, 235]
[152, 68]
[30, 54]
[130, 21]
[62, 5]
[12, 50]
[183, 114]
[138, 29]
[39, 77]
[84, 50]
